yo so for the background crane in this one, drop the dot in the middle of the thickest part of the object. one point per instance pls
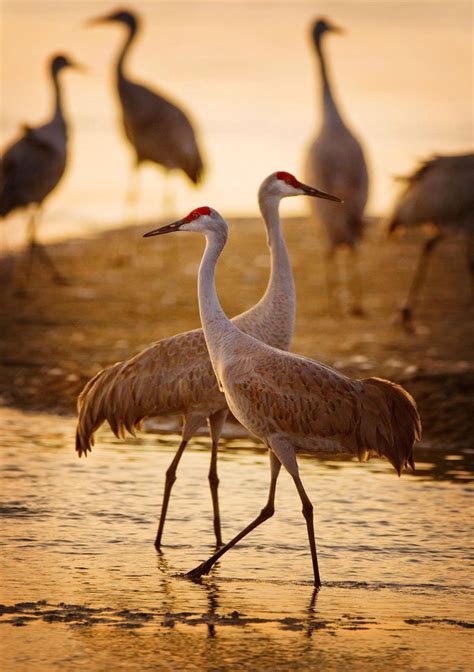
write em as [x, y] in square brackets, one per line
[336, 162]
[32, 166]
[158, 129]
[440, 192]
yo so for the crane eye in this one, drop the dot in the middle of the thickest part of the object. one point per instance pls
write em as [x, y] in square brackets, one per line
[196, 215]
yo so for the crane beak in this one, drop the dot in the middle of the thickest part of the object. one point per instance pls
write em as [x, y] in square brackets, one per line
[311, 191]
[337, 29]
[168, 228]
[83, 69]
[96, 21]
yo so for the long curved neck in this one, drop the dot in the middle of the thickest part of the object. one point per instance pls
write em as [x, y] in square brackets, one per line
[330, 111]
[281, 287]
[58, 108]
[215, 323]
[132, 31]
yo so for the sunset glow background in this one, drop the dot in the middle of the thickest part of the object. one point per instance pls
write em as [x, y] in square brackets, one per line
[402, 74]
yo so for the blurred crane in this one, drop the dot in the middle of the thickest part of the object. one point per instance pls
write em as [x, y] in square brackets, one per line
[158, 130]
[175, 375]
[32, 166]
[336, 162]
[441, 193]
[292, 403]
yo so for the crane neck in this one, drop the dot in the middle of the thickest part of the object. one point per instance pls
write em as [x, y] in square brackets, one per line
[281, 287]
[216, 325]
[132, 32]
[58, 115]
[330, 111]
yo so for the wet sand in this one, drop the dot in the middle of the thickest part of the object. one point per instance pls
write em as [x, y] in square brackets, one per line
[127, 292]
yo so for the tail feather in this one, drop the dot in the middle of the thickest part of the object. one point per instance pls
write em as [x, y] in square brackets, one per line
[390, 424]
[95, 405]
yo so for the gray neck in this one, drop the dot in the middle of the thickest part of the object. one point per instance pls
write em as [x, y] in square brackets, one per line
[216, 325]
[58, 108]
[132, 31]
[281, 287]
[330, 111]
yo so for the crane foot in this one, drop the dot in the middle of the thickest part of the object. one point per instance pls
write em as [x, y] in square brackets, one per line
[198, 571]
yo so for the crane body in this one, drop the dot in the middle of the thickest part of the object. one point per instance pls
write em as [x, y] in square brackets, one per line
[175, 375]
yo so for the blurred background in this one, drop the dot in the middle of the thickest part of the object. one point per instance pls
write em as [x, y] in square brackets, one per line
[399, 73]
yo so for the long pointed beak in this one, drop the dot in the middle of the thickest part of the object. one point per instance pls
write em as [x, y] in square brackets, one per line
[168, 228]
[311, 191]
[96, 21]
[83, 69]
[338, 30]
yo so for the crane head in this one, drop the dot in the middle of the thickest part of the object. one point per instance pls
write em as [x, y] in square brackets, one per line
[119, 16]
[61, 61]
[282, 184]
[201, 220]
[323, 25]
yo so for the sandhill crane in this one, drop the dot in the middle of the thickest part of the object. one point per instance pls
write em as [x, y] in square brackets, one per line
[175, 374]
[33, 165]
[336, 162]
[158, 130]
[292, 403]
[441, 193]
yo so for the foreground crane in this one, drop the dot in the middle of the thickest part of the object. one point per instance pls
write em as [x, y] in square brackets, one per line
[33, 166]
[175, 374]
[158, 130]
[441, 193]
[292, 403]
[336, 162]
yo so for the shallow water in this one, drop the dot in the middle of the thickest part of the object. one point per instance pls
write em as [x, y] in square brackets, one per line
[80, 574]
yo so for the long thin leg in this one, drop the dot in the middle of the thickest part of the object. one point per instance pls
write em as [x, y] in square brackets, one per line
[169, 481]
[169, 202]
[266, 513]
[287, 456]
[131, 199]
[332, 282]
[34, 248]
[216, 423]
[418, 278]
[354, 278]
[190, 426]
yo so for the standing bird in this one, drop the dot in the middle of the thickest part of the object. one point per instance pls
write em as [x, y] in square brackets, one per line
[158, 130]
[175, 375]
[441, 193]
[335, 161]
[292, 403]
[32, 166]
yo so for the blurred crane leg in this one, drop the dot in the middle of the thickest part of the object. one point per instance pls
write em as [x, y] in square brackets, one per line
[332, 282]
[419, 278]
[354, 279]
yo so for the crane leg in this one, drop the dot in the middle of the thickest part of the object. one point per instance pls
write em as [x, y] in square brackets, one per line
[332, 282]
[35, 248]
[470, 261]
[354, 278]
[189, 428]
[131, 198]
[418, 279]
[169, 201]
[216, 422]
[287, 456]
[266, 513]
